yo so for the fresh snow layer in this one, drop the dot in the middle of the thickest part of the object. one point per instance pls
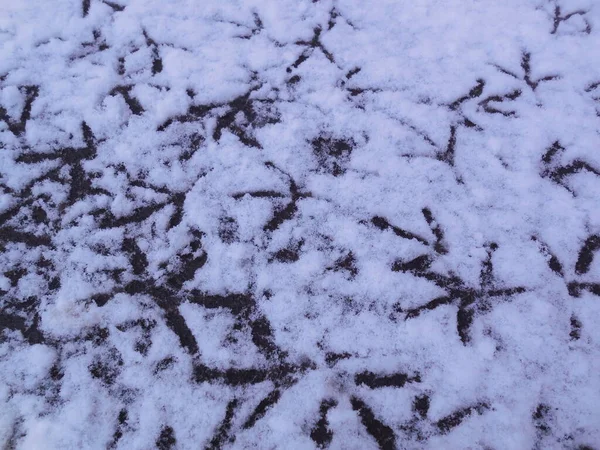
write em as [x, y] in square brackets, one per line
[298, 225]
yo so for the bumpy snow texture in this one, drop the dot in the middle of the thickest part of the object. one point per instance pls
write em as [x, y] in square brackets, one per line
[299, 225]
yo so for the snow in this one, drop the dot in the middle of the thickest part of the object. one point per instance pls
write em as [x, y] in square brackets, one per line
[300, 224]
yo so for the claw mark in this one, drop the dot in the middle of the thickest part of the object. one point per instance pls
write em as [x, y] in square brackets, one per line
[244, 308]
[190, 260]
[178, 325]
[475, 92]
[429, 306]
[575, 333]
[31, 333]
[526, 66]
[559, 18]
[352, 72]
[375, 381]
[81, 183]
[293, 80]
[262, 408]
[553, 262]
[222, 436]
[439, 246]
[383, 435]
[582, 266]
[9, 234]
[553, 170]
[286, 213]
[575, 288]
[242, 104]
[157, 64]
[357, 91]
[18, 128]
[259, 194]
[252, 31]
[85, 7]
[193, 114]
[447, 154]
[137, 259]
[309, 48]
[279, 373]
[142, 213]
[321, 434]
[134, 105]
[346, 263]
[593, 87]
[97, 45]
[555, 149]
[541, 418]
[122, 422]
[289, 254]
[455, 419]
[485, 103]
[251, 110]
[333, 16]
[421, 406]
[167, 297]
[470, 300]
[332, 358]
[230, 377]
[383, 224]
[166, 440]
[586, 254]
[115, 6]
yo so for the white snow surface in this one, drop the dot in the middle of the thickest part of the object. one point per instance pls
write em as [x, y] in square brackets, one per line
[300, 224]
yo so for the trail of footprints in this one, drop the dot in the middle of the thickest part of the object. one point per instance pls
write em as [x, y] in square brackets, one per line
[34, 219]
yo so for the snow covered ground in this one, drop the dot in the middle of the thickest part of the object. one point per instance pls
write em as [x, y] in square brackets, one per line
[297, 225]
